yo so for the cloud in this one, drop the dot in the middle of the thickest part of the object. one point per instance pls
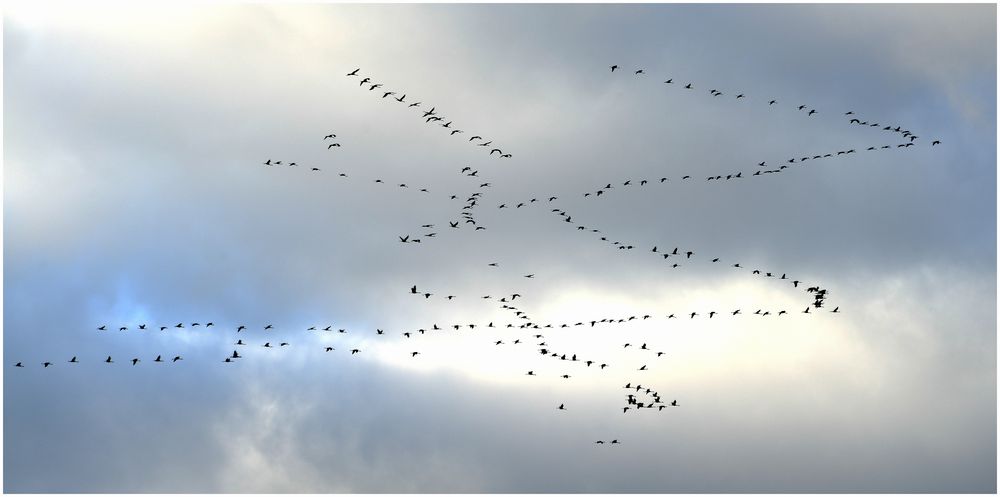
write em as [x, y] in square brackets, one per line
[135, 193]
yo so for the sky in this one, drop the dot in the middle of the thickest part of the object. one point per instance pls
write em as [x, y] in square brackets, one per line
[135, 192]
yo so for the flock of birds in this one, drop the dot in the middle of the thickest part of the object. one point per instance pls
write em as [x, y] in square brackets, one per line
[638, 397]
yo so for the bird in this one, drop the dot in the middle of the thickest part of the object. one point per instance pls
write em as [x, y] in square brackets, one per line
[562, 407]
[135, 361]
[354, 72]
[108, 360]
[73, 359]
[19, 365]
[176, 358]
[613, 68]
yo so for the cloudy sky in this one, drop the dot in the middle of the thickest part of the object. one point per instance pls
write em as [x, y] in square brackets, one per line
[134, 193]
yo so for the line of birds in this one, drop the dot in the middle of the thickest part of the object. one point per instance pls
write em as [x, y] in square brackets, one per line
[74, 360]
[687, 254]
[430, 116]
[465, 214]
[771, 102]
